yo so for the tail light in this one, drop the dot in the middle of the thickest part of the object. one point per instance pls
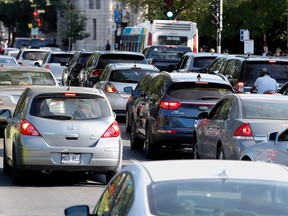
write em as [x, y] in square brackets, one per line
[47, 66]
[26, 128]
[172, 105]
[110, 88]
[244, 131]
[112, 131]
[240, 87]
[97, 72]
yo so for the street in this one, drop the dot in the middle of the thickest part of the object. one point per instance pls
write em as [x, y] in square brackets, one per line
[51, 194]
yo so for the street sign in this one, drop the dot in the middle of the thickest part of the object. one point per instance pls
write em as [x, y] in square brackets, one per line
[244, 35]
[249, 46]
[34, 31]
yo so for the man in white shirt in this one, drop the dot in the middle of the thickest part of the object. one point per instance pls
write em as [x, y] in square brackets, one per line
[264, 82]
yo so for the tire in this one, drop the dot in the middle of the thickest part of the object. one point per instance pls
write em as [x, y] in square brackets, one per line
[128, 126]
[195, 148]
[220, 153]
[6, 167]
[150, 149]
[135, 142]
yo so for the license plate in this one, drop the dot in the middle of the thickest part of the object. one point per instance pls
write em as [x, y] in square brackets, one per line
[70, 158]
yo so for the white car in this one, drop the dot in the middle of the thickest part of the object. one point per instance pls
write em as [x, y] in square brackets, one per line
[7, 61]
[194, 187]
[56, 62]
[31, 57]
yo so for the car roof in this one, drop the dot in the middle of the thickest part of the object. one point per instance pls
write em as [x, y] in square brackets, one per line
[117, 52]
[23, 68]
[263, 97]
[65, 89]
[211, 169]
[188, 77]
[6, 57]
[203, 54]
[123, 66]
[257, 58]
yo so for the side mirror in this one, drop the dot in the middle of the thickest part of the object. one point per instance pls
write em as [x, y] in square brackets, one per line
[77, 210]
[128, 89]
[273, 136]
[136, 93]
[5, 114]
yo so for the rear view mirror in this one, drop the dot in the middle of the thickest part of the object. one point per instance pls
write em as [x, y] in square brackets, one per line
[77, 210]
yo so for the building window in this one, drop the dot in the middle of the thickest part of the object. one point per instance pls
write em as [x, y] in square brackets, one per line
[94, 29]
[98, 4]
[91, 4]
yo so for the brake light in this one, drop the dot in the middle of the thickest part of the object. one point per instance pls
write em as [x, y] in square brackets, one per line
[240, 87]
[243, 130]
[272, 61]
[112, 131]
[97, 72]
[70, 94]
[110, 88]
[26, 128]
[47, 66]
[170, 46]
[170, 105]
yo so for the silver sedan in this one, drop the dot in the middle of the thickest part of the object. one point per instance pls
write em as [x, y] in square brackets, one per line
[237, 122]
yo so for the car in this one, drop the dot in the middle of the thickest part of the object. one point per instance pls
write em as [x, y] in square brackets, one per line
[20, 42]
[31, 57]
[72, 70]
[137, 95]
[7, 61]
[165, 122]
[36, 43]
[15, 79]
[99, 59]
[116, 80]
[56, 62]
[8, 50]
[53, 129]
[195, 62]
[237, 122]
[163, 56]
[214, 187]
[242, 70]
[216, 64]
[272, 151]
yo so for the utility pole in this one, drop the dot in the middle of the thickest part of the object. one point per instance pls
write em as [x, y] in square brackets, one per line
[220, 27]
[217, 18]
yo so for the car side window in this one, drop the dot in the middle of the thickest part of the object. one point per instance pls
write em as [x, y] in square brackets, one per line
[22, 103]
[222, 69]
[216, 109]
[223, 112]
[155, 87]
[109, 196]
[283, 136]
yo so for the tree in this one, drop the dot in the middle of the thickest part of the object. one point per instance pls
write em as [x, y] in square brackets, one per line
[76, 24]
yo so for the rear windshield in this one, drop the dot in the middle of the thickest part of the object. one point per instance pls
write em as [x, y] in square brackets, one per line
[203, 62]
[167, 52]
[278, 70]
[42, 42]
[129, 76]
[69, 108]
[34, 55]
[26, 78]
[194, 91]
[58, 58]
[119, 58]
[265, 110]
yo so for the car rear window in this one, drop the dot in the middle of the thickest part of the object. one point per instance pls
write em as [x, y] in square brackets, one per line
[129, 76]
[58, 58]
[265, 110]
[203, 62]
[197, 91]
[167, 52]
[34, 55]
[26, 78]
[121, 58]
[70, 108]
[278, 70]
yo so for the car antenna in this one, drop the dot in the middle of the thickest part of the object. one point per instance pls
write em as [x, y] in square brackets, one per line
[199, 77]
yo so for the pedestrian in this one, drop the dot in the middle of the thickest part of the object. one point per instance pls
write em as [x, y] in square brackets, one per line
[264, 82]
[108, 46]
[266, 51]
[278, 52]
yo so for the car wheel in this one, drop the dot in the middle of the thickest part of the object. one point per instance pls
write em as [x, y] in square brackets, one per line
[128, 126]
[135, 142]
[195, 148]
[109, 176]
[6, 167]
[150, 148]
[17, 174]
[220, 154]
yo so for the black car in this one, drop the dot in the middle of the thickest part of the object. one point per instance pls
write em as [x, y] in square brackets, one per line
[165, 121]
[137, 95]
[242, 71]
[99, 59]
[163, 56]
[75, 64]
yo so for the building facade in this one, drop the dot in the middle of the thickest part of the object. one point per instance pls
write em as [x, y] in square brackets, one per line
[105, 21]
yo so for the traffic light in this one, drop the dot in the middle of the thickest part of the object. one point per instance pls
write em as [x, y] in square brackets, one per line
[215, 14]
[168, 9]
[35, 19]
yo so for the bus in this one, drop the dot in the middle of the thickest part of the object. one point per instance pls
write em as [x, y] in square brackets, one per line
[159, 32]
